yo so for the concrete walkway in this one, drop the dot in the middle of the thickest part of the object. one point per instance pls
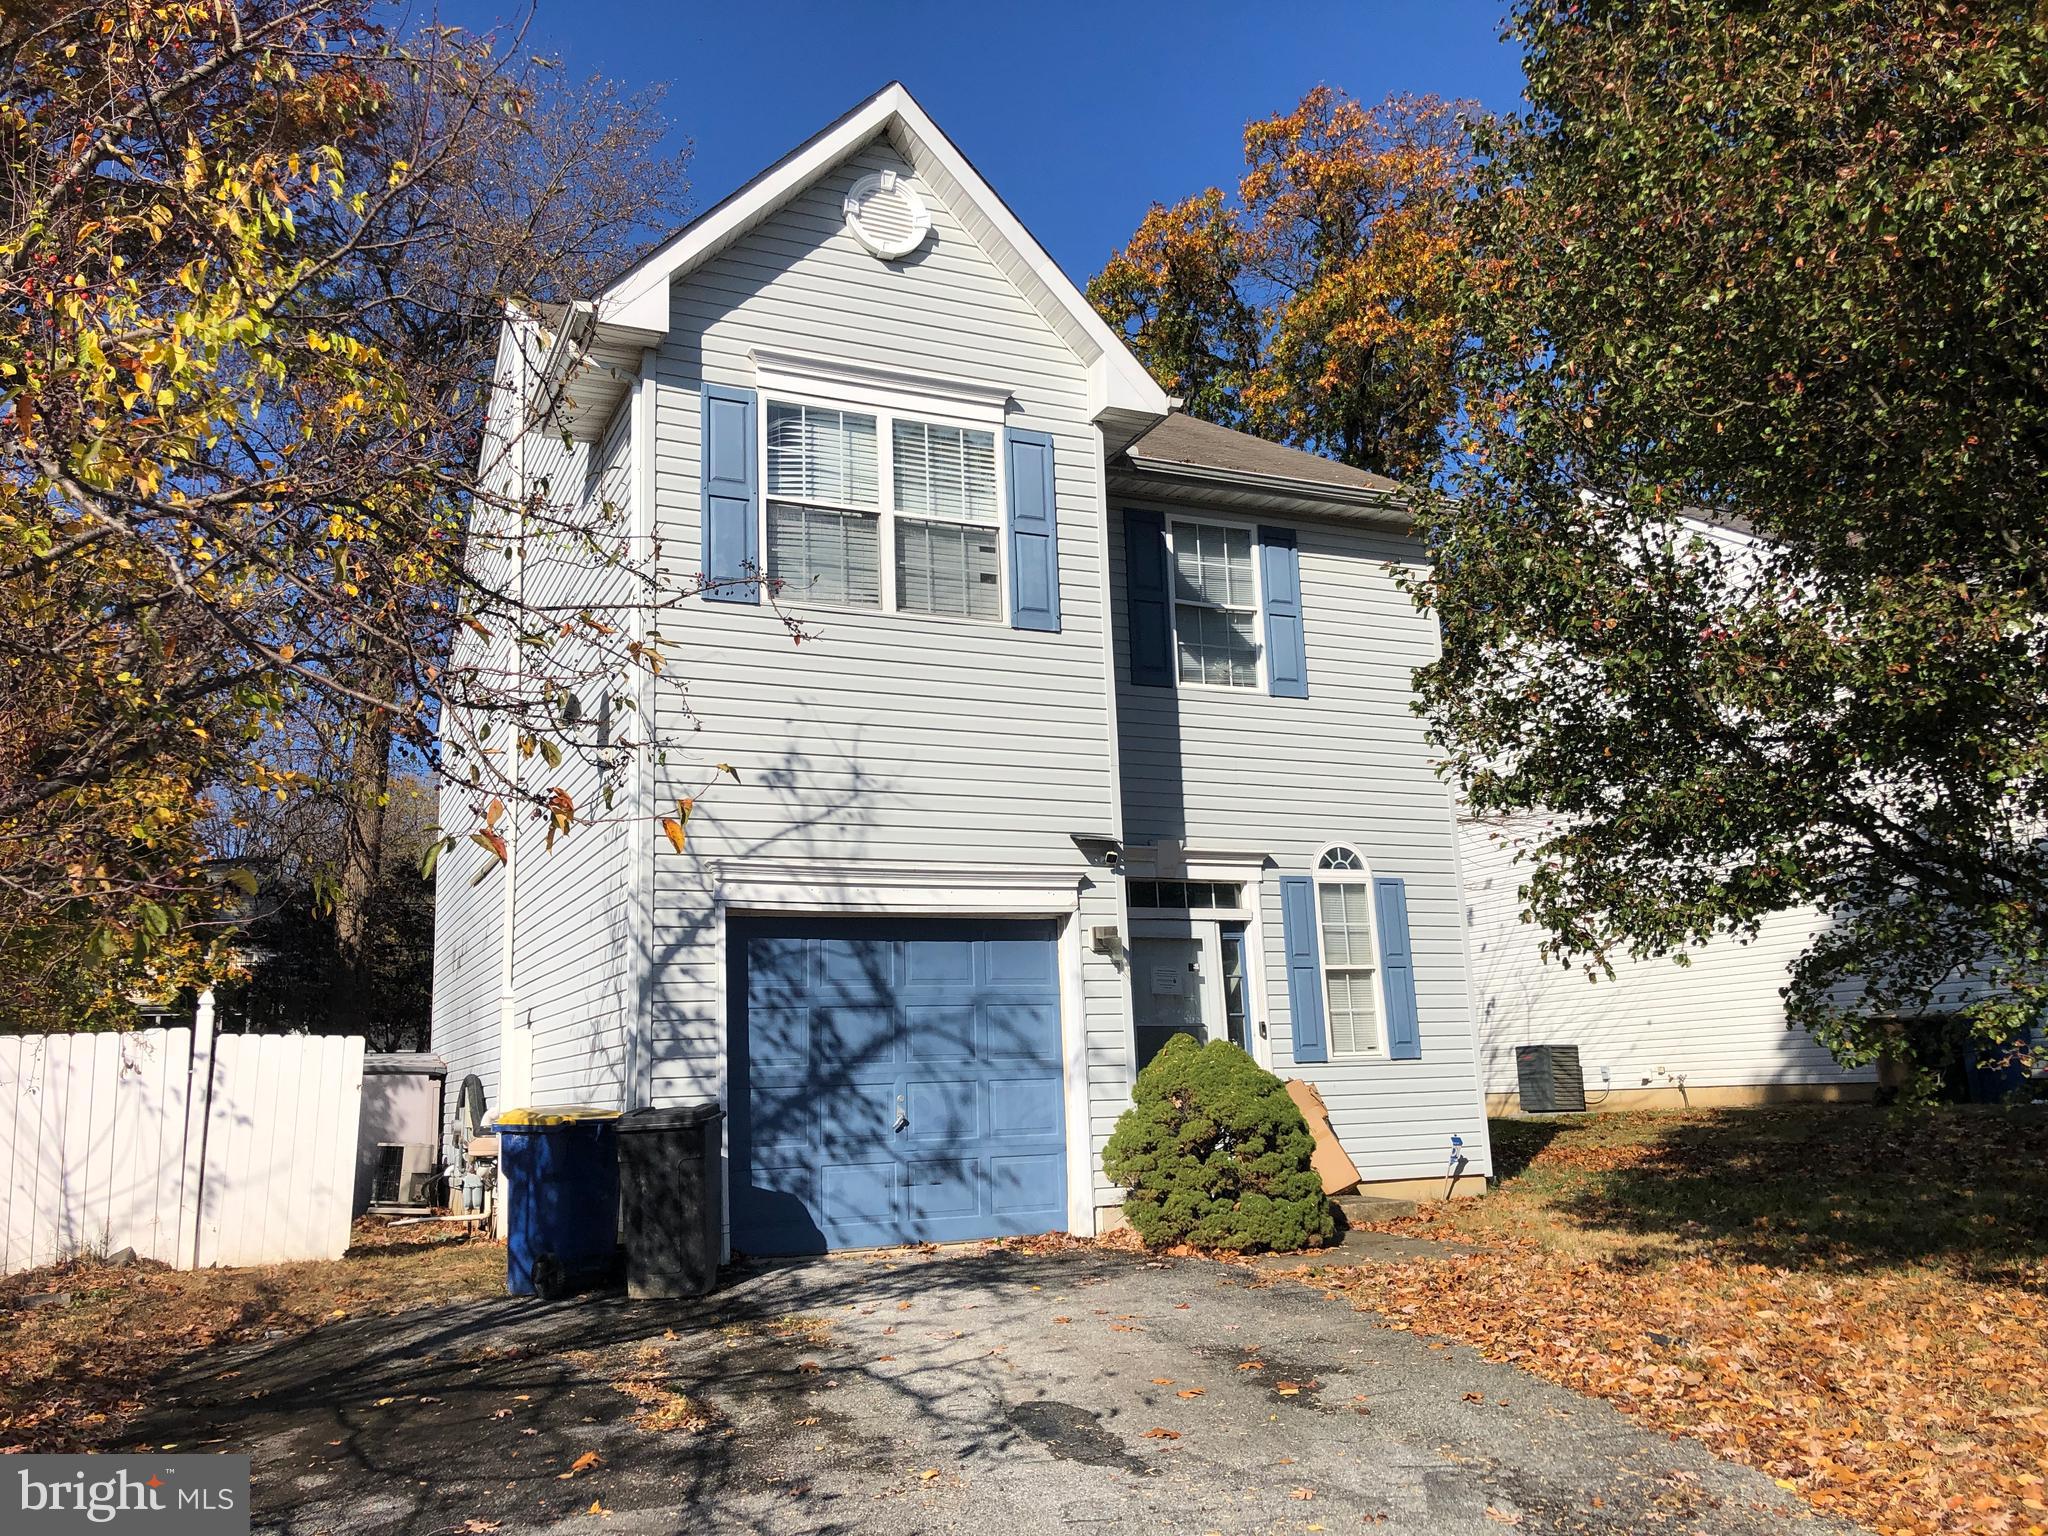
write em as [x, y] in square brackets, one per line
[995, 1394]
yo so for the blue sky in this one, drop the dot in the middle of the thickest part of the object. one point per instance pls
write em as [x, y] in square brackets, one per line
[1081, 115]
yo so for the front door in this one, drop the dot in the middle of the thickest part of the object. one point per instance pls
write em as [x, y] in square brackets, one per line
[1177, 973]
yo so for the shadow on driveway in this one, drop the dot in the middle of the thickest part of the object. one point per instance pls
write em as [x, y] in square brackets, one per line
[995, 1393]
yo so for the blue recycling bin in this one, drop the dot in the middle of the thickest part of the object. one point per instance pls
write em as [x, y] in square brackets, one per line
[560, 1173]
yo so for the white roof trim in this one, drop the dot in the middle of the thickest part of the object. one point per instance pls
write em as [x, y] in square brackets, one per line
[1117, 382]
[774, 885]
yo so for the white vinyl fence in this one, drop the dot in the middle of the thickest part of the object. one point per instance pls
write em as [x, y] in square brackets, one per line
[186, 1145]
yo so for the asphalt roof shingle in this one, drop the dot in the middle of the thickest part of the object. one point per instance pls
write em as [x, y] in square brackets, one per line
[1188, 441]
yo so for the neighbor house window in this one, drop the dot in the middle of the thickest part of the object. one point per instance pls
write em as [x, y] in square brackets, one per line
[829, 521]
[1215, 605]
[1344, 926]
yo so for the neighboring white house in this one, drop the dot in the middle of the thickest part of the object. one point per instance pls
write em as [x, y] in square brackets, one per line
[1101, 731]
[1656, 1034]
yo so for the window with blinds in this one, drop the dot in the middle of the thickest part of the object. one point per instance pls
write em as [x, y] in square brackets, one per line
[828, 520]
[1344, 925]
[948, 559]
[824, 519]
[1215, 605]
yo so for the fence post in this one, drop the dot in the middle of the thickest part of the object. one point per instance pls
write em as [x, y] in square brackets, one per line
[198, 1116]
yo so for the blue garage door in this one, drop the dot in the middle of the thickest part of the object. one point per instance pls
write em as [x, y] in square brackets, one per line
[894, 1082]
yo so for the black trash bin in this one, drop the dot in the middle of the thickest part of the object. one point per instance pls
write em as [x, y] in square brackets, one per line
[670, 1212]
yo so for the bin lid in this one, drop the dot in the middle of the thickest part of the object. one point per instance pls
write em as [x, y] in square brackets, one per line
[679, 1117]
[553, 1118]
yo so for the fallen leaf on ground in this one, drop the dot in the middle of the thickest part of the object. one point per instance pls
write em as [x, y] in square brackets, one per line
[1161, 1434]
[1190, 1391]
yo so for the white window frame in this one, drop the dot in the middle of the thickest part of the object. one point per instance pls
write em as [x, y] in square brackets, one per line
[1260, 683]
[887, 398]
[1361, 876]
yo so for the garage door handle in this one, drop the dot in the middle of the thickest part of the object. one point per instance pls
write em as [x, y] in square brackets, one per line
[902, 1119]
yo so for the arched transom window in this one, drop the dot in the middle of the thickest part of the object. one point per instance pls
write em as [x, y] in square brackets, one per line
[1350, 957]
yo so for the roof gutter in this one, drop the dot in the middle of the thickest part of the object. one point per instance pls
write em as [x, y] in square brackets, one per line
[1286, 485]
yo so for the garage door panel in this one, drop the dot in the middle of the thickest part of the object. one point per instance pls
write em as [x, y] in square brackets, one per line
[1023, 962]
[944, 1190]
[945, 963]
[853, 970]
[941, 1032]
[1024, 1106]
[781, 1041]
[943, 1110]
[901, 1082]
[857, 1044]
[1026, 1192]
[784, 1122]
[858, 1201]
[1022, 1032]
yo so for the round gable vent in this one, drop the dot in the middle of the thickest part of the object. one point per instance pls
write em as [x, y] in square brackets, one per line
[886, 215]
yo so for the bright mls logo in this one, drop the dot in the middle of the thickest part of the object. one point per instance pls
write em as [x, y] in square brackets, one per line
[160, 1495]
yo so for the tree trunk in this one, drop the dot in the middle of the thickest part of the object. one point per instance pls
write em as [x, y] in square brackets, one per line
[366, 792]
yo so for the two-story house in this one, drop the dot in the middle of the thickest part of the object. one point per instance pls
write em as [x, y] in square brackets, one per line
[1101, 730]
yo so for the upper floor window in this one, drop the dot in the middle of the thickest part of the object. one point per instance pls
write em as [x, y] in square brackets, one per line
[829, 521]
[1215, 604]
[1350, 959]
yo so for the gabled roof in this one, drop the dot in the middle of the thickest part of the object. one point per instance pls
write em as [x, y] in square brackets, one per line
[634, 309]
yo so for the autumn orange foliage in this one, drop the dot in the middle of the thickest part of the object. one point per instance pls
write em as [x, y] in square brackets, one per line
[1320, 307]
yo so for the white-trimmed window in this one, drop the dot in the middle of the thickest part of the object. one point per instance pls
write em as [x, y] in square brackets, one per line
[829, 521]
[1344, 932]
[1215, 603]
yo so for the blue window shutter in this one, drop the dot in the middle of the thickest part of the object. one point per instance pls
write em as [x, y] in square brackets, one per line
[1034, 533]
[1286, 649]
[1151, 627]
[731, 504]
[1304, 967]
[1397, 968]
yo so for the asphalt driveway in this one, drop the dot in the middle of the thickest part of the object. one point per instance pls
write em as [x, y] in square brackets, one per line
[999, 1394]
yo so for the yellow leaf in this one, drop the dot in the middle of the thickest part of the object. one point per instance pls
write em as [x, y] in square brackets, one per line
[674, 829]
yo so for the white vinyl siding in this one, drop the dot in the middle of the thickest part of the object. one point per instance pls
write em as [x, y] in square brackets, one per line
[1215, 605]
[889, 737]
[1287, 777]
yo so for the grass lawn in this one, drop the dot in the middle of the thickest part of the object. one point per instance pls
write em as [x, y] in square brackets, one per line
[74, 1373]
[1853, 1299]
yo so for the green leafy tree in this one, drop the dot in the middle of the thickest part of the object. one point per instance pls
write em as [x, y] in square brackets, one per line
[1216, 1155]
[1781, 266]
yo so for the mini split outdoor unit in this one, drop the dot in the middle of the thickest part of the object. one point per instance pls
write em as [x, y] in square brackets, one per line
[405, 1173]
